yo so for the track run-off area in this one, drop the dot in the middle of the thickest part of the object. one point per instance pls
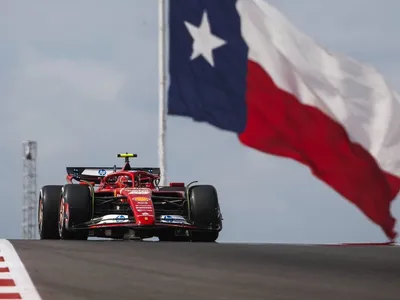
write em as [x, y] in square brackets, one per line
[98, 269]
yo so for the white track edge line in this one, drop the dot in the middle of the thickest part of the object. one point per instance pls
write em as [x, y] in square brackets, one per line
[6, 275]
[23, 282]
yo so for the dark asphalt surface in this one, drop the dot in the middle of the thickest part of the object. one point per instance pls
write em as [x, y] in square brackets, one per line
[152, 270]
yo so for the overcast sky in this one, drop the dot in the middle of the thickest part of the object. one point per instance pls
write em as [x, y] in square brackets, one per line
[80, 78]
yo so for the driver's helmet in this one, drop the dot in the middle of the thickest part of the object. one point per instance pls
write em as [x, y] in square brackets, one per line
[126, 181]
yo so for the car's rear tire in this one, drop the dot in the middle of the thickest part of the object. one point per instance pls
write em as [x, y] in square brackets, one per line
[205, 212]
[75, 208]
[49, 200]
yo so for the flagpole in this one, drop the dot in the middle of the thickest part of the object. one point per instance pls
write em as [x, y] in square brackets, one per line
[162, 90]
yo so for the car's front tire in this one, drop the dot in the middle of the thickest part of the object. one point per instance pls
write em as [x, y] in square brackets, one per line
[205, 212]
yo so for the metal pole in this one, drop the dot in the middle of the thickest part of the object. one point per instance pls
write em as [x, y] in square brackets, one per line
[162, 90]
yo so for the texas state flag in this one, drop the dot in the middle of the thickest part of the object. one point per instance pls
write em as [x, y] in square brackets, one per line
[241, 66]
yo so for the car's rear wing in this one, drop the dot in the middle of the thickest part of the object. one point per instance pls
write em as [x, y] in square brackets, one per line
[155, 171]
[96, 173]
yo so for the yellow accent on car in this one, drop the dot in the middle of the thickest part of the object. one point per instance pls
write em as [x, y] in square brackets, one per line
[124, 155]
[139, 199]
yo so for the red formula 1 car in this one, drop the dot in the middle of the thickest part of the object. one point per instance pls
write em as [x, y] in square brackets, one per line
[127, 203]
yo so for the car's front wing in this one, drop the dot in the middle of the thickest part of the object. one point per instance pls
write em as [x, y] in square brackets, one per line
[155, 226]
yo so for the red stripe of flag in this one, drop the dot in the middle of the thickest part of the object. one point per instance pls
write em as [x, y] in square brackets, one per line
[1, 258]
[4, 270]
[279, 124]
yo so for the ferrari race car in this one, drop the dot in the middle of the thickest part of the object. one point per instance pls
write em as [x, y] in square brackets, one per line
[127, 203]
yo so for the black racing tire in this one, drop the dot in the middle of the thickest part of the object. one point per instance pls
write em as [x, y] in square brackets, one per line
[48, 208]
[78, 199]
[205, 212]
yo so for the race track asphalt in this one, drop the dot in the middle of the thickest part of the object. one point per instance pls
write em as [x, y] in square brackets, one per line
[153, 270]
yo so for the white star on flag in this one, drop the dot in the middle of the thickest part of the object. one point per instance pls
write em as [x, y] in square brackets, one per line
[204, 42]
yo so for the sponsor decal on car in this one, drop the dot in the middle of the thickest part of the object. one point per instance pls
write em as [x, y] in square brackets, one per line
[110, 219]
[120, 218]
[139, 191]
[144, 210]
[143, 206]
[141, 199]
[147, 208]
[93, 172]
[173, 219]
